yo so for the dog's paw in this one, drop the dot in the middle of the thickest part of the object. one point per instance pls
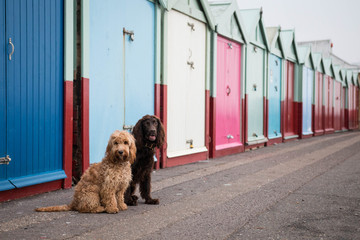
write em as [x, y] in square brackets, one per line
[122, 206]
[152, 201]
[134, 197]
[112, 210]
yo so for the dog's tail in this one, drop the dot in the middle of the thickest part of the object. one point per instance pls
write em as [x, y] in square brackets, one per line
[60, 208]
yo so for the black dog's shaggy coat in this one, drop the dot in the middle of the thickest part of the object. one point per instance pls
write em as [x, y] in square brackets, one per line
[149, 133]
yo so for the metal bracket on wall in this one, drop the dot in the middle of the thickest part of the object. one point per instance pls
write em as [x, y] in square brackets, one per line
[5, 160]
[128, 127]
[130, 33]
[192, 25]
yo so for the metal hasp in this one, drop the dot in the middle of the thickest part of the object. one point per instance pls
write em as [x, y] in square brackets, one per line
[192, 25]
[230, 136]
[128, 127]
[190, 142]
[191, 63]
[130, 33]
[5, 160]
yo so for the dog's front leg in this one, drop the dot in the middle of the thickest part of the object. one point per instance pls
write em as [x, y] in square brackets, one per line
[108, 200]
[120, 200]
[145, 189]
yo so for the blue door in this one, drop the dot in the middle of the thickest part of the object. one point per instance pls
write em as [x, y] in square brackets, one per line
[274, 96]
[31, 92]
[307, 91]
[122, 68]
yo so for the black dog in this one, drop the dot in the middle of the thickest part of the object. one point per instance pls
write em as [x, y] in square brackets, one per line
[149, 133]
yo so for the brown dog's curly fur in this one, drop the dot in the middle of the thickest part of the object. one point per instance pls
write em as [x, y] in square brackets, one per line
[102, 186]
[149, 133]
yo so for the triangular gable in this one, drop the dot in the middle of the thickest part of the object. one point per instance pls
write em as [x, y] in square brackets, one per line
[318, 62]
[254, 27]
[355, 78]
[275, 44]
[228, 20]
[348, 79]
[289, 44]
[305, 56]
[327, 67]
[198, 9]
[337, 74]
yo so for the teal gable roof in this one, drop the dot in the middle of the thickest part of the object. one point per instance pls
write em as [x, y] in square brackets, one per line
[254, 27]
[189, 7]
[228, 21]
[275, 43]
[289, 44]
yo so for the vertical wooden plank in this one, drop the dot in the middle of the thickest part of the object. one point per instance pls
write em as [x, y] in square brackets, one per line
[36, 83]
[30, 90]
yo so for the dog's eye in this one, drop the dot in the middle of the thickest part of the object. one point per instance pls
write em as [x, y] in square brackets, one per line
[116, 143]
[126, 143]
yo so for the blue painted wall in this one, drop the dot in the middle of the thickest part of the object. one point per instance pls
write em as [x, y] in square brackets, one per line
[32, 114]
[274, 130]
[122, 72]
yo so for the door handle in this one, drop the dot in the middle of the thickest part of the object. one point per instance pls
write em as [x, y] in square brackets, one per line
[13, 48]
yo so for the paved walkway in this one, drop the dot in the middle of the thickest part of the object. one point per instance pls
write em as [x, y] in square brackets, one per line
[304, 189]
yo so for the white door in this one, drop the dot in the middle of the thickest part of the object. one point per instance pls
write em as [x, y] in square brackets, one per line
[186, 85]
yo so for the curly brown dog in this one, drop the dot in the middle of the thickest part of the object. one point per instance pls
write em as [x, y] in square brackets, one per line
[102, 187]
[149, 133]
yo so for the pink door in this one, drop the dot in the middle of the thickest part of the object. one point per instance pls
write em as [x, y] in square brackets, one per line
[228, 95]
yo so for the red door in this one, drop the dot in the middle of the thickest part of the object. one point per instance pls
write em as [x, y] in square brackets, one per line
[337, 106]
[289, 111]
[328, 86]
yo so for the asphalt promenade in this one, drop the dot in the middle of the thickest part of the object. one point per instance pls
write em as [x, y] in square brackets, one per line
[304, 189]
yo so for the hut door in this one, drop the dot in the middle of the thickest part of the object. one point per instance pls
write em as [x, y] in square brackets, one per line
[318, 102]
[343, 107]
[307, 91]
[228, 95]
[255, 101]
[186, 85]
[31, 92]
[289, 122]
[138, 60]
[274, 96]
[337, 105]
[328, 102]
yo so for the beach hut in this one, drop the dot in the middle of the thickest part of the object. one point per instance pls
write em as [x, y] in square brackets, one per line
[274, 86]
[328, 96]
[337, 98]
[305, 90]
[226, 100]
[318, 111]
[124, 63]
[290, 126]
[256, 62]
[36, 74]
[185, 86]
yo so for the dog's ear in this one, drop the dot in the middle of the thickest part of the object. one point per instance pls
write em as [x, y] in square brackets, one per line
[132, 149]
[161, 133]
[110, 143]
[138, 132]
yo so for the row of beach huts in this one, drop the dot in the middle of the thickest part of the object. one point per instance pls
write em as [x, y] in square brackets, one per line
[73, 71]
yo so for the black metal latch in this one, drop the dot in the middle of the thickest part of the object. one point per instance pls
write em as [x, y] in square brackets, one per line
[5, 160]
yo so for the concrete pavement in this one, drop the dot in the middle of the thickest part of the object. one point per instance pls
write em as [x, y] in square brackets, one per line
[304, 189]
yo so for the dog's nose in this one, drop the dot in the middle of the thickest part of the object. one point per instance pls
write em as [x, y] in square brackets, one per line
[121, 152]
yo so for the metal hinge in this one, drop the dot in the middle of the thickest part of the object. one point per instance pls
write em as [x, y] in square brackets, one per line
[5, 160]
